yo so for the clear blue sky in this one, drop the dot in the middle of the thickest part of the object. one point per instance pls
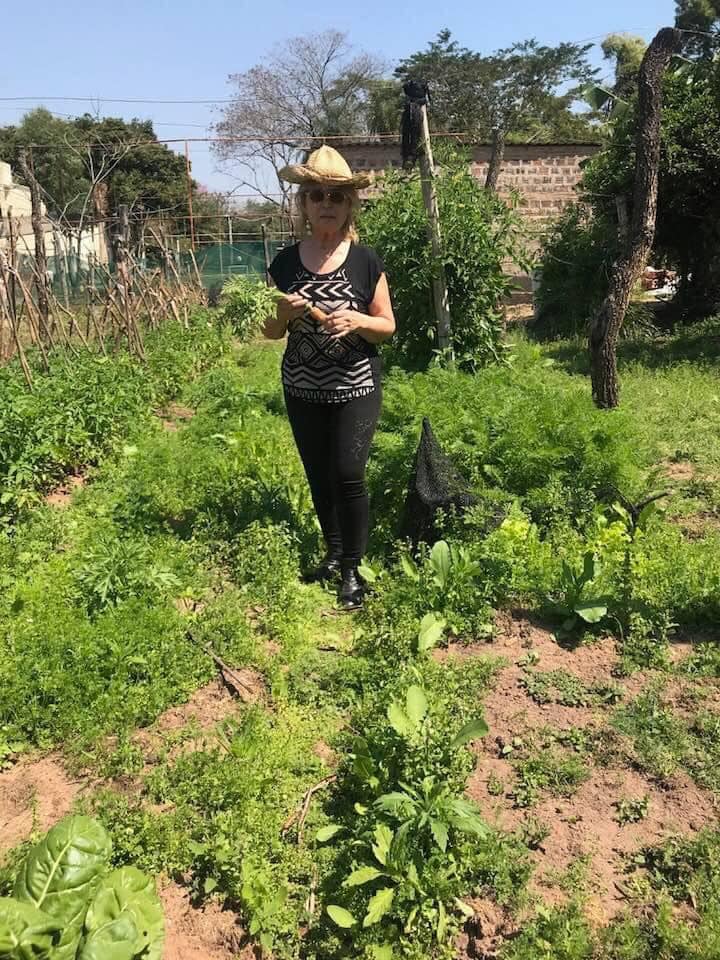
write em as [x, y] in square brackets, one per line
[159, 50]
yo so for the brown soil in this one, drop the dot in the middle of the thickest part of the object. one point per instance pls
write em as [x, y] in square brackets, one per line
[200, 933]
[698, 525]
[584, 825]
[678, 470]
[207, 707]
[174, 415]
[34, 794]
[62, 495]
[488, 930]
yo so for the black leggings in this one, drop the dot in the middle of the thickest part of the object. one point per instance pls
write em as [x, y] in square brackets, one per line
[333, 440]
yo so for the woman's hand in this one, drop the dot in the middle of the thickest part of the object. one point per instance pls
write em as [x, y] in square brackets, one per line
[289, 307]
[342, 322]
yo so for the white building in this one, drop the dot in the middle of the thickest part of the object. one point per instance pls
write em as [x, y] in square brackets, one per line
[16, 207]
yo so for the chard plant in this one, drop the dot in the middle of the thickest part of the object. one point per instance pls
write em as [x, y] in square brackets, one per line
[68, 905]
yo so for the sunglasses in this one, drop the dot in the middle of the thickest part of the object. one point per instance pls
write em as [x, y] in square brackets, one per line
[334, 196]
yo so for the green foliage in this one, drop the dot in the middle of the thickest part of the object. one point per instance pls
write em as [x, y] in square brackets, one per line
[66, 905]
[555, 934]
[406, 829]
[556, 771]
[480, 232]
[575, 265]
[246, 303]
[632, 809]
[557, 686]
[687, 201]
[82, 411]
[578, 601]
[78, 150]
[517, 89]
[574, 270]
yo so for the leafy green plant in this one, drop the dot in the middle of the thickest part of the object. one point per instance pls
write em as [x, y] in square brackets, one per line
[577, 602]
[632, 809]
[263, 900]
[556, 686]
[245, 303]
[480, 231]
[67, 906]
[405, 837]
[559, 773]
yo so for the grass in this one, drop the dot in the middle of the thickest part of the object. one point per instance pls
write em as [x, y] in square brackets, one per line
[95, 641]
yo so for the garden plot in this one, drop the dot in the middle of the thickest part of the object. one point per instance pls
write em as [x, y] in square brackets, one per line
[558, 775]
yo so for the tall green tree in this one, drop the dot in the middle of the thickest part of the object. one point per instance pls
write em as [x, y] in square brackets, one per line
[525, 91]
[57, 166]
[701, 18]
[88, 166]
[627, 52]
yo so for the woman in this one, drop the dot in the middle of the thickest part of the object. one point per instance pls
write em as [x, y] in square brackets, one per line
[336, 309]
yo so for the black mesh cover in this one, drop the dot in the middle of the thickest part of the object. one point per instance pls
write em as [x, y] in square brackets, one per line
[435, 484]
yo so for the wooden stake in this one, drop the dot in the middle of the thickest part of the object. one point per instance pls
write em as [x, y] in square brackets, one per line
[266, 252]
[60, 264]
[440, 294]
[41, 271]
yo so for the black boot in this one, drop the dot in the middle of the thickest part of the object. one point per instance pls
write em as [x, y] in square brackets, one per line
[328, 569]
[352, 591]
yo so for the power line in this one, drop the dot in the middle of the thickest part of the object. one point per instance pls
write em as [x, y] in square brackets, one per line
[98, 100]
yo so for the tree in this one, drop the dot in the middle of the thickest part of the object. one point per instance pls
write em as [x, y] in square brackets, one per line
[701, 20]
[58, 169]
[310, 87]
[384, 106]
[87, 167]
[686, 236]
[520, 91]
[606, 323]
[627, 51]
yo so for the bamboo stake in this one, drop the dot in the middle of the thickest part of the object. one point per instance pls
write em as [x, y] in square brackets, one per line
[439, 283]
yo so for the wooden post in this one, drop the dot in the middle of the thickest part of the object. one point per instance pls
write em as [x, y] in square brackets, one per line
[60, 264]
[12, 257]
[42, 282]
[13, 321]
[266, 253]
[440, 293]
[190, 203]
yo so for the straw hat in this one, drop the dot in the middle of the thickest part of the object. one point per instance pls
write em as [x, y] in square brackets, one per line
[327, 167]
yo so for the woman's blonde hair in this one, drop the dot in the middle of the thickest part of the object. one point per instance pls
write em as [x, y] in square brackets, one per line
[302, 224]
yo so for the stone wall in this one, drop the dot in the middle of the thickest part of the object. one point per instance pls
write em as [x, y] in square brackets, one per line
[545, 175]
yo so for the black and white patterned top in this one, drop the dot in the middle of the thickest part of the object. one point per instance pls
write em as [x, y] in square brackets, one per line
[315, 366]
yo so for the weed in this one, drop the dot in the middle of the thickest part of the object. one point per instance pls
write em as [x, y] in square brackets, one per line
[632, 809]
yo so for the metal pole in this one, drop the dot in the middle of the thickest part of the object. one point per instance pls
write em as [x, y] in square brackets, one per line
[190, 204]
[230, 234]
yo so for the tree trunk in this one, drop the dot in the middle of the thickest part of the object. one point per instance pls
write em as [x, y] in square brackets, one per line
[608, 320]
[42, 279]
[497, 155]
[101, 212]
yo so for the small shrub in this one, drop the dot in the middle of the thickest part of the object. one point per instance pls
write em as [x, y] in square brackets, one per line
[480, 232]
